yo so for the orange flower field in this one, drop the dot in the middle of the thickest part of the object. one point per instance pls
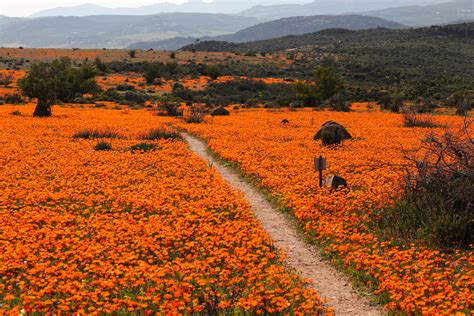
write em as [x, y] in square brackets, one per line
[125, 231]
[411, 278]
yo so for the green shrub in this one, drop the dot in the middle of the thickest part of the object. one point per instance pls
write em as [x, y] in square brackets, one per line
[102, 146]
[136, 97]
[16, 113]
[161, 133]
[168, 108]
[95, 134]
[143, 147]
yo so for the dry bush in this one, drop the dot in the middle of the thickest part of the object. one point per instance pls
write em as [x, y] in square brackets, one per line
[194, 117]
[414, 119]
[439, 197]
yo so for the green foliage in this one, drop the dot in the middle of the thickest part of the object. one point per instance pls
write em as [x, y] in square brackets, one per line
[155, 70]
[5, 80]
[151, 72]
[430, 62]
[143, 147]
[161, 133]
[326, 83]
[95, 134]
[306, 93]
[57, 81]
[103, 146]
[213, 71]
[177, 86]
[135, 97]
[169, 108]
[100, 65]
[240, 91]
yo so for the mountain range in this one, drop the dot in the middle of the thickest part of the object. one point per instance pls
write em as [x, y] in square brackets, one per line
[334, 41]
[199, 6]
[173, 30]
[411, 13]
[114, 31]
[279, 28]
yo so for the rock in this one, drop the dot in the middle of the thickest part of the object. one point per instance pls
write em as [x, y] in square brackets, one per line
[285, 121]
[332, 133]
[335, 182]
[220, 111]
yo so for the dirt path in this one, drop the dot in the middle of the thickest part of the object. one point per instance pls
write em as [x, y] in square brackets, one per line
[329, 283]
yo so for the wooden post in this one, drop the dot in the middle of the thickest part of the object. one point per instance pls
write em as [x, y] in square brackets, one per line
[320, 171]
[320, 165]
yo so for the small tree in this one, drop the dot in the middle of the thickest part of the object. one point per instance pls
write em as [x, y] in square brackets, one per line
[57, 81]
[132, 53]
[213, 71]
[100, 65]
[151, 72]
[327, 82]
[306, 93]
[325, 85]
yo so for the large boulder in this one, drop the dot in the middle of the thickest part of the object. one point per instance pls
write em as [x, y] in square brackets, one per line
[220, 111]
[332, 133]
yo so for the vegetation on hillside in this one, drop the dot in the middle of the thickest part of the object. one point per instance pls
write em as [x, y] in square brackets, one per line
[426, 62]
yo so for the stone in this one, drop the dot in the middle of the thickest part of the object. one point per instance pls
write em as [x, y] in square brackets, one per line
[220, 111]
[332, 133]
[336, 182]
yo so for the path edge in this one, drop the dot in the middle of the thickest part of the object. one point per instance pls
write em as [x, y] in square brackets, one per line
[334, 261]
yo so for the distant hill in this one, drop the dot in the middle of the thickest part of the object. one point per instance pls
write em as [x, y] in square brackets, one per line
[6, 20]
[307, 24]
[196, 6]
[278, 28]
[116, 31]
[325, 7]
[414, 61]
[442, 13]
[406, 12]
[328, 39]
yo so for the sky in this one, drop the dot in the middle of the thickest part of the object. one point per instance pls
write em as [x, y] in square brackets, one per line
[28, 7]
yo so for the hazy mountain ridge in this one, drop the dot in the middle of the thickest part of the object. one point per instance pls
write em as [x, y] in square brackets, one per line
[195, 6]
[407, 12]
[279, 28]
[461, 10]
[116, 31]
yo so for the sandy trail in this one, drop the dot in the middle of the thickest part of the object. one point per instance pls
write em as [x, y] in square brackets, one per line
[328, 282]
